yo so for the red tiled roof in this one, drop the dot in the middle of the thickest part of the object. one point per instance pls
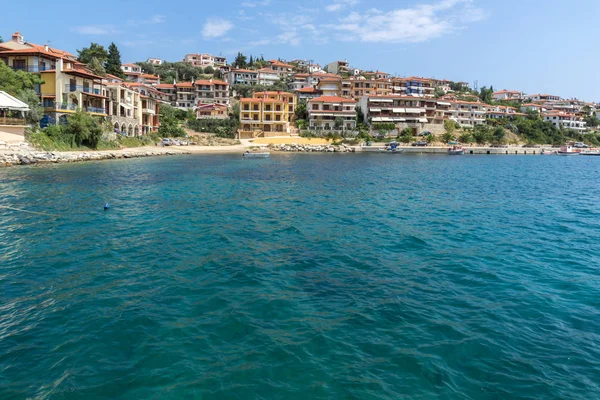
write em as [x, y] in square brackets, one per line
[309, 89]
[184, 84]
[331, 99]
[129, 65]
[208, 82]
[280, 64]
[165, 86]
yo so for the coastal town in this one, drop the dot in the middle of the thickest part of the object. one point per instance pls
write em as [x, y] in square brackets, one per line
[254, 98]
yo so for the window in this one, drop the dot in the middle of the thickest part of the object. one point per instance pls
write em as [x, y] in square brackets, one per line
[315, 107]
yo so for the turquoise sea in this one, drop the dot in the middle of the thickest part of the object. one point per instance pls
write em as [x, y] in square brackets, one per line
[302, 276]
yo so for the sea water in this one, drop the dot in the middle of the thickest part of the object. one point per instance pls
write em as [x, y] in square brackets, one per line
[302, 276]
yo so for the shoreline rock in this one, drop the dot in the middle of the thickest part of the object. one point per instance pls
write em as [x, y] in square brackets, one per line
[45, 157]
[313, 148]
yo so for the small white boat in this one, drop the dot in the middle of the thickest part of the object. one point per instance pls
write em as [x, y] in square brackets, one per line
[590, 153]
[547, 152]
[256, 154]
[456, 151]
[567, 151]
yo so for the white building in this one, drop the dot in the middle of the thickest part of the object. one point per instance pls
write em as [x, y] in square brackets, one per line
[267, 77]
[242, 76]
[566, 120]
[155, 61]
[508, 95]
[324, 112]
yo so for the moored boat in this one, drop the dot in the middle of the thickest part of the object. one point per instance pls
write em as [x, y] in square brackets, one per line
[456, 151]
[567, 151]
[256, 154]
[547, 152]
[392, 148]
[590, 153]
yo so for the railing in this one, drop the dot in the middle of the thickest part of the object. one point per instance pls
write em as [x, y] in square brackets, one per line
[66, 106]
[12, 121]
[79, 88]
[98, 110]
[33, 68]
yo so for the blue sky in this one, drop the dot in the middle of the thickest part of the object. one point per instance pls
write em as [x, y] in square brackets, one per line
[537, 46]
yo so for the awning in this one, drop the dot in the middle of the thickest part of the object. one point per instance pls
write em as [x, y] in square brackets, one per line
[443, 103]
[422, 119]
[414, 110]
[398, 110]
[375, 109]
[384, 100]
[9, 102]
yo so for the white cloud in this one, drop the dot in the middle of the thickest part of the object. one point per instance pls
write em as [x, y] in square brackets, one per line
[95, 29]
[252, 4]
[408, 25]
[339, 5]
[157, 19]
[216, 27]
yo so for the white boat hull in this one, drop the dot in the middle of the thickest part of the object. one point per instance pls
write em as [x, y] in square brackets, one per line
[256, 155]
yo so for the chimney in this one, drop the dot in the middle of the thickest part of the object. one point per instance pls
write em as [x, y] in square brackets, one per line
[46, 48]
[17, 37]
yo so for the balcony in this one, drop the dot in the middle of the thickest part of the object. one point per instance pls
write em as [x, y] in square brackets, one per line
[33, 68]
[97, 110]
[12, 121]
[84, 89]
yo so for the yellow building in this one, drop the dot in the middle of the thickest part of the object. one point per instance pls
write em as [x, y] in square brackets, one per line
[68, 85]
[266, 114]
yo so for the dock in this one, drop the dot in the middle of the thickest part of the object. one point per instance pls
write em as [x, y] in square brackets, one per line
[511, 150]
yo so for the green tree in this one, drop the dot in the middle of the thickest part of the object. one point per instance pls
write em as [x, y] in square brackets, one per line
[486, 95]
[251, 61]
[301, 124]
[96, 67]
[1, 40]
[406, 135]
[430, 138]
[449, 126]
[36, 112]
[209, 70]
[499, 135]
[338, 123]
[439, 92]
[466, 138]
[481, 134]
[240, 61]
[447, 137]
[85, 130]
[360, 116]
[300, 111]
[22, 85]
[113, 61]
[96, 51]
[169, 123]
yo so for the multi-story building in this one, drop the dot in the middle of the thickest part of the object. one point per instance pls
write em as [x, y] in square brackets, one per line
[566, 120]
[542, 97]
[376, 75]
[532, 107]
[266, 114]
[500, 112]
[413, 86]
[308, 93]
[212, 91]
[151, 99]
[212, 111]
[205, 60]
[282, 69]
[186, 95]
[331, 87]
[300, 81]
[132, 72]
[169, 91]
[329, 112]
[242, 76]
[315, 69]
[67, 84]
[124, 108]
[149, 79]
[338, 67]
[468, 113]
[268, 77]
[403, 111]
[154, 61]
[508, 95]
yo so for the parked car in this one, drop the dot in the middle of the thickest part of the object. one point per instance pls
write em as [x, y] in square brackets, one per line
[166, 142]
[426, 133]
[580, 145]
[183, 142]
[420, 143]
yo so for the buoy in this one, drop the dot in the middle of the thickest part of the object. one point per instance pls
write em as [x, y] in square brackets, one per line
[106, 206]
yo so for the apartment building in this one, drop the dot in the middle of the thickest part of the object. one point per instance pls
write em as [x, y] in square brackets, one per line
[212, 91]
[282, 69]
[414, 86]
[330, 112]
[566, 120]
[268, 77]
[242, 76]
[508, 95]
[204, 60]
[67, 84]
[501, 112]
[266, 114]
[331, 87]
[132, 72]
[400, 110]
[542, 97]
[212, 111]
[532, 107]
[124, 108]
[151, 99]
[468, 113]
[338, 67]
[308, 93]
[315, 69]
[169, 92]
[301, 81]
[186, 95]
[376, 75]
[154, 61]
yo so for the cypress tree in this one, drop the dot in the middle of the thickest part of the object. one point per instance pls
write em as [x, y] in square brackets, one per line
[113, 62]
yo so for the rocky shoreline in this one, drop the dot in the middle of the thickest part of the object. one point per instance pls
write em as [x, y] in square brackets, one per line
[313, 148]
[9, 159]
